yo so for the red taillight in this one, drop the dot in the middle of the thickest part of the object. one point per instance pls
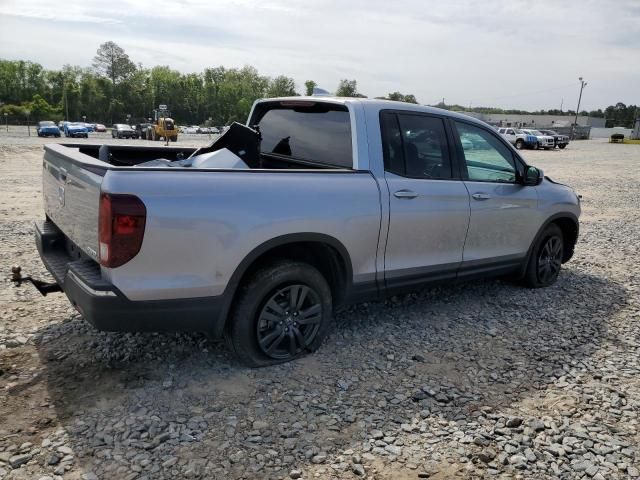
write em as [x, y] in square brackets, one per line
[120, 228]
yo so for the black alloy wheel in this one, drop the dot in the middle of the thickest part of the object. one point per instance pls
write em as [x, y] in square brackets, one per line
[289, 321]
[550, 259]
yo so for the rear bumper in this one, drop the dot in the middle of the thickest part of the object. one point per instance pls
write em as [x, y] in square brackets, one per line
[106, 308]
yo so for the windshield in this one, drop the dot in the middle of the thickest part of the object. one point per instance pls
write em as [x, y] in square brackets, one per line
[518, 132]
[536, 132]
[47, 124]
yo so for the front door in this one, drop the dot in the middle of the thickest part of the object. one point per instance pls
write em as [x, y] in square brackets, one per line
[503, 211]
[428, 207]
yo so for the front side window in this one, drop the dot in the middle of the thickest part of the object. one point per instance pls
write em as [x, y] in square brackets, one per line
[415, 146]
[318, 133]
[486, 158]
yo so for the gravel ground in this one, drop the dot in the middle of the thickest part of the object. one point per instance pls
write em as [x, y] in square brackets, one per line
[478, 380]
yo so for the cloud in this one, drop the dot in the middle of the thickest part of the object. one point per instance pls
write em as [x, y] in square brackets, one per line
[514, 53]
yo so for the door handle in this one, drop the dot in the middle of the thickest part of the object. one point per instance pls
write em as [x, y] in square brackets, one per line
[63, 174]
[405, 194]
[481, 196]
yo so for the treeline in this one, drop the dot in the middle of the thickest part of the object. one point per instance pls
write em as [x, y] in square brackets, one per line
[116, 87]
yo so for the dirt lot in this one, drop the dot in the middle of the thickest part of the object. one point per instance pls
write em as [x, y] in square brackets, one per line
[478, 380]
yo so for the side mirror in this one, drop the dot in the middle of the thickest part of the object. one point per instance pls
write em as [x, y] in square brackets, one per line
[533, 176]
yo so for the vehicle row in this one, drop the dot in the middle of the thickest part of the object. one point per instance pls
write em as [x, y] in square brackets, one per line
[194, 129]
[535, 139]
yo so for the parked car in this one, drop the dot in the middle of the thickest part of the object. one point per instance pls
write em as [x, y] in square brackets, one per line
[47, 129]
[260, 236]
[140, 130]
[99, 127]
[544, 141]
[89, 126]
[518, 138]
[192, 129]
[122, 130]
[75, 129]
[561, 141]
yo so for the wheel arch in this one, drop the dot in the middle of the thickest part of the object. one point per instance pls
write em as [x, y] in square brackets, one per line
[570, 227]
[324, 252]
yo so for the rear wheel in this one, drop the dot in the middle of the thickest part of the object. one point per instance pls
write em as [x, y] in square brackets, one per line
[519, 144]
[174, 139]
[546, 259]
[563, 145]
[282, 312]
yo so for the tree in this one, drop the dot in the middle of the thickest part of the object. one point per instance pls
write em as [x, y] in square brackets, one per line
[399, 97]
[347, 88]
[281, 86]
[309, 85]
[112, 62]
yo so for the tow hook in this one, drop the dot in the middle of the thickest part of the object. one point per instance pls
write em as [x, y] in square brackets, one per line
[43, 287]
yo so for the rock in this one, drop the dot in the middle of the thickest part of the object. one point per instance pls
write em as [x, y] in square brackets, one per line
[89, 476]
[53, 459]
[530, 455]
[376, 434]
[555, 450]
[358, 469]
[65, 450]
[487, 455]
[320, 458]
[393, 449]
[518, 461]
[260, 425]
[17, 461]
[536, 425]
[513, 422]
[295, 474]
[170, 462]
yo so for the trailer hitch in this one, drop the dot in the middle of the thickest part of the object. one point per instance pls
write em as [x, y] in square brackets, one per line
[43, 287]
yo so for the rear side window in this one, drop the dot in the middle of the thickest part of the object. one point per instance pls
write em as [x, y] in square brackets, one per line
[415, 146]
[317, 133]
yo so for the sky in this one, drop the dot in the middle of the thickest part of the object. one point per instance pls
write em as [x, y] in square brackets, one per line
[509, 54]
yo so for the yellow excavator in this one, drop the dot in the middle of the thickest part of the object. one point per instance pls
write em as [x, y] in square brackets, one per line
[163, 127]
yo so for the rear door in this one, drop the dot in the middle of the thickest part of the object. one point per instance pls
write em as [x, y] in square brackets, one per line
[503, 210]
[428, 204]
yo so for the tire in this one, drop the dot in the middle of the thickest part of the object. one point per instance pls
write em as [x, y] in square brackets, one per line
[519, 144]
[262, 332]
[545, 262]
[174, 139]
[536, 146]
[562, 146]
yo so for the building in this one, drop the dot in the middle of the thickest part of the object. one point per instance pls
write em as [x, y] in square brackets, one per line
[536, 121]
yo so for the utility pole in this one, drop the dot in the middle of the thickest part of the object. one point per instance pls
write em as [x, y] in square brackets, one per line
[561, 103]
[575, 122]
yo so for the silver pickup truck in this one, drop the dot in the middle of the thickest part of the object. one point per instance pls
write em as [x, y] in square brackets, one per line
[331, 201]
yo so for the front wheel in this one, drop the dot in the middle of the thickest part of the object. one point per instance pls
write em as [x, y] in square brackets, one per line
[282, 312]
[545, 262]
[564, 145]
[174, 139]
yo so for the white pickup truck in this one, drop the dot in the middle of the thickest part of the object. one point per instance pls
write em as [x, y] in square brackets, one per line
[322, 201]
